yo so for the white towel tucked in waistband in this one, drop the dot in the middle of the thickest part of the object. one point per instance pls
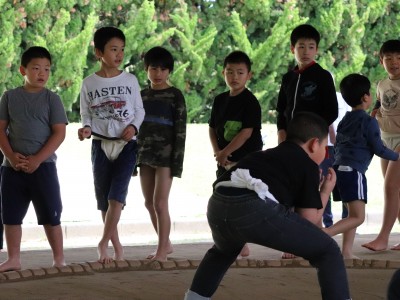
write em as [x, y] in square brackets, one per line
[112, 148]
[241, 178]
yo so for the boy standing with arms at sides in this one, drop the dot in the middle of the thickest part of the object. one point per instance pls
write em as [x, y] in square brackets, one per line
[387, 112]
[308, 87]
[253, 201]
[235, 122]
[358, 139]
[161, 144]
[32, 127]
[112, 112]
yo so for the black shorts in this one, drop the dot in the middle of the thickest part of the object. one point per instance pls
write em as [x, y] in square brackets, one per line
[41, 187]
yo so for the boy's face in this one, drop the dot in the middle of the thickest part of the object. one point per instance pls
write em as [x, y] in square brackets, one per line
[236, 76]
[36, 74]
[304, 52]
[158, 77]
[391, 63]
[113, 53]
[318, 152]
[367, 99]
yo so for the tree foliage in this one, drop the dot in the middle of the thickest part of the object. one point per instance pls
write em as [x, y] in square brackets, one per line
[199, 34]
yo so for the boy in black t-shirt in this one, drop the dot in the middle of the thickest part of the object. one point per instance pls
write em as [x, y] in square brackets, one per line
[235, 122]
[253, 202]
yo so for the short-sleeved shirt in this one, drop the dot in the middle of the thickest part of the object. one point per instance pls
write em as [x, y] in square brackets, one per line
[161, 139]
[292, 177]
[30, 117]
[231, 114]
[388, 115]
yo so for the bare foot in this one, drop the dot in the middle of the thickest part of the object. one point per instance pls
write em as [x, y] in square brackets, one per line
[118, 252]
[161, 258]
[395, 247]
[286, 255]
[10, 265]
[59, 265]
[375, 246]
[154, 254]
[245, 251]
[350, 256]
[103, 256]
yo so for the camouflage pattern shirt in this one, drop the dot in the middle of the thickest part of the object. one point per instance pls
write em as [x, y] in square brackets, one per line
[162, 136]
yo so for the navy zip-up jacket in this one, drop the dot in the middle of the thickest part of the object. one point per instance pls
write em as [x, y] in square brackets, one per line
[312, 90]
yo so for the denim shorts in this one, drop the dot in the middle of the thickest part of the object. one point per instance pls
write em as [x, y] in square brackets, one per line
[41, 187]
[352, 184]
[111, 178]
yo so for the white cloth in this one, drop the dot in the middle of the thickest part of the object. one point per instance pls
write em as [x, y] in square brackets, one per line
[112, 148]
[241, 178]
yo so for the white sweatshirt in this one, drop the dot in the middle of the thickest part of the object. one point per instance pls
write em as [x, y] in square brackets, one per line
[109, 105]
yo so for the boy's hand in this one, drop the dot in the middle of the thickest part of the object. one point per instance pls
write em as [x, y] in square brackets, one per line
[328, 182]
[222, 158]
[18, 161]
[84, 133]
[32, 164]
[128, 133]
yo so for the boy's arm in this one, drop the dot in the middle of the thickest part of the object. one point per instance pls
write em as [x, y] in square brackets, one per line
[375, 142]
[56, 138]
[314, 215]
[330, 110]
[281, 135]
[180, 119]
[238, 141]
[16, 159]
[376, 108]
[213, 140]
[280, 118]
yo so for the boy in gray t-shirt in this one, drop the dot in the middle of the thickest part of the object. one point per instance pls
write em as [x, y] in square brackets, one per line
[32, 127]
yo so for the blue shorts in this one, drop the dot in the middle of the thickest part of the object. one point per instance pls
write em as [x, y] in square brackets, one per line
[352, 184]
[111, 178]
[41, 187]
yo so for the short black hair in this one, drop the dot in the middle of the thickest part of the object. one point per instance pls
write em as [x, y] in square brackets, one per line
[390, 46]
[104, 34]
[238, 57]
[304, 31]
[34, 52]
[353, 87]
[305, 126]
[159, 57]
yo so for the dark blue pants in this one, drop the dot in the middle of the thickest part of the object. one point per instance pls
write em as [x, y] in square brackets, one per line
[393, 292]
[236, 220]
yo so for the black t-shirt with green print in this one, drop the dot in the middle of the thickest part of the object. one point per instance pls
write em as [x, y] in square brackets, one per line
[229, 115]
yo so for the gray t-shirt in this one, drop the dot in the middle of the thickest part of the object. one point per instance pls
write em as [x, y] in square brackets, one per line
[30, 117]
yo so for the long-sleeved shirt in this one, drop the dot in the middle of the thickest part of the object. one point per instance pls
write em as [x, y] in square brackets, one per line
[109, 105]
[358, 139]
[311, 89]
